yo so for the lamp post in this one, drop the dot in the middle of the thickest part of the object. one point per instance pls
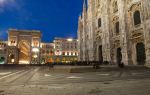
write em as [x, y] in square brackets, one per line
[35, 53]
[12, 61]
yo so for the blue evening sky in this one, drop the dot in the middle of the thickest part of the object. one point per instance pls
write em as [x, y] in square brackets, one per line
[54, 18]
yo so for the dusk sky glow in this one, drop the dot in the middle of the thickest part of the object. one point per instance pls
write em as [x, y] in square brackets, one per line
[54, 18]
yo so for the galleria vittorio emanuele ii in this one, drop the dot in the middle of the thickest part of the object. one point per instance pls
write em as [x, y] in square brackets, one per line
[115, 31]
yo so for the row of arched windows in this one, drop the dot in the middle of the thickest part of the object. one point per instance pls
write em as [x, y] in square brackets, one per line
[2, 45]
[115, 7]
[136, 16]
[136, 19]
[13, 41]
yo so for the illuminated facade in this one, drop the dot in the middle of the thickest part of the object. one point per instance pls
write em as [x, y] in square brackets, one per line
[47, 52]
[61, 50]
[65, 50]
[115, 31]
[3, 52]
[23, 47]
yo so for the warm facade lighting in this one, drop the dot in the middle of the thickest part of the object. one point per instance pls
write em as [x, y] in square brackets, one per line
[35, 56]
[23, 62]
[35, 50]
[70, 53]
[70, 39]
[12, 60]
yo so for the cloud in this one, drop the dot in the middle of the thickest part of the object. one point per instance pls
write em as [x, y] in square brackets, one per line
[9, 5]
[3, 3]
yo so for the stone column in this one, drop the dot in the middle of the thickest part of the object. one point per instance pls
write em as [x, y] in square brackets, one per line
[123, 30]
[30, 53]
[147, 41]
[106, 32]
[145, 5]
[39, 54]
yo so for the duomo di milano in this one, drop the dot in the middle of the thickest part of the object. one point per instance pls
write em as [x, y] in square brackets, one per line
[115, 31]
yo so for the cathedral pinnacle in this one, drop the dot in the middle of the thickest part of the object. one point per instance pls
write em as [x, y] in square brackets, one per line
[84, 5]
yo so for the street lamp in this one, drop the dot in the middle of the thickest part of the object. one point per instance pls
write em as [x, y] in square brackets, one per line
[35, 53]
[12, 60]
[70, 39]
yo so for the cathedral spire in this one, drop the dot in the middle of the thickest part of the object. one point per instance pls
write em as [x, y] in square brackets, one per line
[84, 5]
[84, 9]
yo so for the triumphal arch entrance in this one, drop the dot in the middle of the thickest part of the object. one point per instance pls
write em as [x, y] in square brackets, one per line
[23, 47]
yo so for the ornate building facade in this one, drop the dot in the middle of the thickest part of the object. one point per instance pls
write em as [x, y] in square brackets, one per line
[23, 47]
[3, 52]
[65, 50]
[62, 50]
[115, 31]
[47, 52]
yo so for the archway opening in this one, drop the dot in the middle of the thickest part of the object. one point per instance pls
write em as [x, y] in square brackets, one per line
[119, 56]
[11, 59]
[24, 52]
[2, 60]
[137, 18]
[140, 53]
[101, 53]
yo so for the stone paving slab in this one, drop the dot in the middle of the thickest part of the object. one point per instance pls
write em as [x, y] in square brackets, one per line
[85, 69]
[119, 87]
[39, 81]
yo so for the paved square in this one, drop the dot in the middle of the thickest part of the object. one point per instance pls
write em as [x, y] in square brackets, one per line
[42, 81]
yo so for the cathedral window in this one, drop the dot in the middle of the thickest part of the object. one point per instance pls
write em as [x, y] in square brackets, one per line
[98, 3]
[117, 27]
[99, 23]
[137, 18]
[115, 6]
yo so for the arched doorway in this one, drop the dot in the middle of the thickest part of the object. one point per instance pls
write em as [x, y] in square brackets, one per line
[100, 53]
[2, 60]
[24, 52]
[11, 59]
[140, 53]
[119, 55]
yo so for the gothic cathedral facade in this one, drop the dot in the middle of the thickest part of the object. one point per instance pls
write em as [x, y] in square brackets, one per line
[115, 31]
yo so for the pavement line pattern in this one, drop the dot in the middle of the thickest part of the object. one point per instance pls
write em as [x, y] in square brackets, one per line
[56, 87]
[5, 73]
[137, 73]
[22, 77]
[11, 74]
[103, 74]
[47, 75]
[74, 77]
